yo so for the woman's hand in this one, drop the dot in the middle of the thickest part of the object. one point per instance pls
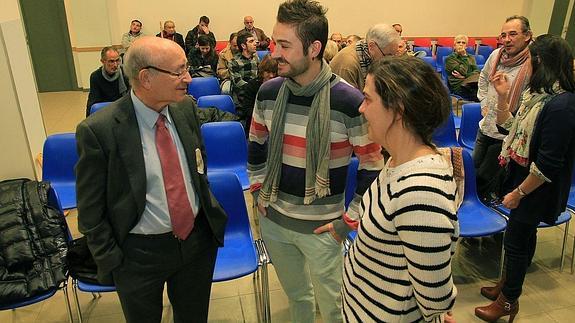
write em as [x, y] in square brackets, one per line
[511, 200]
[328, 228]
[500, 83]
[448, 318]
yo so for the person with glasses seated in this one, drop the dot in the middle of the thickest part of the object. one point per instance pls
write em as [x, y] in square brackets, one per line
[462, 71]
[108, 83]
[352, 62]
[144, 202]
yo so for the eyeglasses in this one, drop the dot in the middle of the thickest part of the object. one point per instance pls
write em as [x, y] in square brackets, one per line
[382, 53]
[179, 75]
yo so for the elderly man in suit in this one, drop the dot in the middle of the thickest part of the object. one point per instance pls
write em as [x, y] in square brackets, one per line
[143, 198]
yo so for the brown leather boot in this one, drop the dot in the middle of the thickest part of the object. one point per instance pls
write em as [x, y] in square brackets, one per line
[499, 308]
[491, 292]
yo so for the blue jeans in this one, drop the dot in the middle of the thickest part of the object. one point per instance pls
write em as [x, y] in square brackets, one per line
[309, 267]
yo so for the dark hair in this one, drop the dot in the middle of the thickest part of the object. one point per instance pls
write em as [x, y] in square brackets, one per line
[243, 38]
[552, 61]
[268, 64]
[105, 50]
[136, 20]
[205, 20]
[525, 27]
[308, 17]
[232, 35]
[204, 40]
[420, 98]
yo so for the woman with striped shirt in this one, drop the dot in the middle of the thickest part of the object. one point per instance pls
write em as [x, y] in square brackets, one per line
[398, 268]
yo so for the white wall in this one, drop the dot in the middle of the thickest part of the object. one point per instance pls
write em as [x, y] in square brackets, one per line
[101, 23]
[22, 132]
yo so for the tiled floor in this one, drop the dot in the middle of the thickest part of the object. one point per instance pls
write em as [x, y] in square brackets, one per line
[549, 295]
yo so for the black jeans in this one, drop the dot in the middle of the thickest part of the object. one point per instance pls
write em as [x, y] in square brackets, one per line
[520, 243]
[489, 174]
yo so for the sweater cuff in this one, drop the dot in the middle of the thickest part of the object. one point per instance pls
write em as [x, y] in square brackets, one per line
[341, 229]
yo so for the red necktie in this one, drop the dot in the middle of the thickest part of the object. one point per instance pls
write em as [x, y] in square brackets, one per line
[181, 213]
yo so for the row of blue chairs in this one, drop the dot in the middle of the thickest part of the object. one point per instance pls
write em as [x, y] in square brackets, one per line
[484, 51]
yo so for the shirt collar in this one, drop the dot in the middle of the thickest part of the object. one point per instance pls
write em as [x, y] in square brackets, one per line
[148, 115]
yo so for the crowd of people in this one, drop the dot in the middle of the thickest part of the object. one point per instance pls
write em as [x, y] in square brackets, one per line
[144, 201]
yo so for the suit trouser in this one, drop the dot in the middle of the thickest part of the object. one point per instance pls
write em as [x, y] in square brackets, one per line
[489, 174]
[187, 267]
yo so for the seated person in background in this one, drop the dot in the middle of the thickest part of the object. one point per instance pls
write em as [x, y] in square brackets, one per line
[462, 71]
[262, 40]
[338, 39]
[170, 33]
[398, 28]
[108, 83]
[201, 29]
[134, 33]
[224, 59]
[351, 40]
[203, 60]
[267, 70]
[331, 48]
[244, 65]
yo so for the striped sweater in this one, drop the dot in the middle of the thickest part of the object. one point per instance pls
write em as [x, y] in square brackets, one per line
[348, 134]
[398, 268]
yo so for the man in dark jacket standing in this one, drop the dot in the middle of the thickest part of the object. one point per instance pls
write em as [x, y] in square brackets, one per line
[108, 83]
[143, 198]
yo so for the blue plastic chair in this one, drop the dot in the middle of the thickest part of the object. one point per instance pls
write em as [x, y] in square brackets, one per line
[226, 149]
[201, 86]
[431, 61]
[222, 102]
[470, 118]
[59, 158]
[485, 50]
[470, 50]
[240, 255]
[564, 217]
[262, 54]
[427, 50]
[479, 60]
[95, 289]
[439, 54]
[97, 106]
[351, 182]
[475, 218]
[444, 136]
[571, 208]
[54, 202]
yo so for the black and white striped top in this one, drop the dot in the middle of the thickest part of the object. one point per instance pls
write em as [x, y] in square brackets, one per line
[398, 268]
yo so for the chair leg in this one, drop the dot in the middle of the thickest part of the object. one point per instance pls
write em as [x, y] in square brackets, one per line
[75, 292]
[67, 300]
[266, 294]
[257, 293]
[565, 234]
[502, 260]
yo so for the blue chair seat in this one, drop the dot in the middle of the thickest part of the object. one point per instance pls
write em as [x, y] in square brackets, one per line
[223, 102]
[200, 86]
[59, 158]
[67, 193]
[94, 288]
[29, 300]
[477, 220]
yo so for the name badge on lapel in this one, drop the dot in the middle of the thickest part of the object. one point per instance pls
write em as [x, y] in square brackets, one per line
[199, 161]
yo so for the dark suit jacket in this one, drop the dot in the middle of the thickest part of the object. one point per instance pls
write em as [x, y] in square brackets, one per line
[111, 178]
[264, 41]
[178, 38]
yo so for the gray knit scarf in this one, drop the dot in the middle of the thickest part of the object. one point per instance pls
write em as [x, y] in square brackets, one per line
[317, 139]
[119, 75]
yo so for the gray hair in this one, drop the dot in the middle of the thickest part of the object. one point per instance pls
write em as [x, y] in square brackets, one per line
[136, 59]
[464, 37]
[383, 35]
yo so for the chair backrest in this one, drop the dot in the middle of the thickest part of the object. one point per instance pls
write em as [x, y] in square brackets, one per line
[97, 106]
[490, 41]
[430, 60]
[351, 181]
[470, 181]
[470, 118]
[220, 45]
[427, 50]
[59, 157]
[440, 53]
[222, 102]
[228, 191]
[470, 50]
[444, 136]
[479, 59]
[225, 144]
[485, 50]
[201, 86]
[262, 54]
